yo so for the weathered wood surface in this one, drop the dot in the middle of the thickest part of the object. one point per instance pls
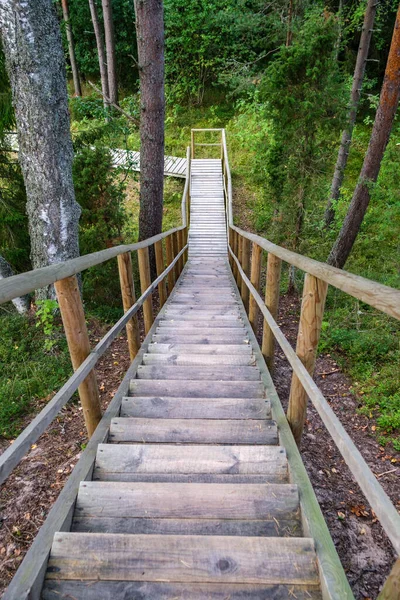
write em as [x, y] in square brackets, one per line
[130, 160]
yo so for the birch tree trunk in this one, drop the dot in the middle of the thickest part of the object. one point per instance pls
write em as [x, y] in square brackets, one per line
[100, 51]
[110, 50]
[21, 303]
[150, 40]
[71, 48]
[35, 62]
[347, 134]
[381, 130]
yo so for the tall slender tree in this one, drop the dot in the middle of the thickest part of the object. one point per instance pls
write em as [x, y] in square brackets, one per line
[347, 134]
[150, 41]
[110, 51]
[388, 103]
[71, 48]
[100, 51]
[36, 66]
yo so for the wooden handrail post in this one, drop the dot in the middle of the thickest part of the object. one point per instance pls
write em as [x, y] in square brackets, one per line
[244, 290]
[73, 318]
[255, 277]
[175, 249]
[185, 241]
[145, 282]
[170, 257]
[272, 287]
[162, 287]
[192, 142]
[128, 300]
[239, 255]
[235, 252]
[312, 311]
[230, 241]
[180, 247]
[391, 587]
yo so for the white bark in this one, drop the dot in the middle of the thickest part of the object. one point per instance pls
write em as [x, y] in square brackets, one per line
[21, 304]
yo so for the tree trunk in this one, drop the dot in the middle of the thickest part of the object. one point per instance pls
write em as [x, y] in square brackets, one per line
[110, 50]
[36, 66]
[289, 34]
[150, 40]
[347, 134]
[22, 303]
[71, 48]
[100, 51]
[385, 114]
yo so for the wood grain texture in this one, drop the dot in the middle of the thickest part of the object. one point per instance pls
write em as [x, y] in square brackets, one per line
[272, 289]
[255, 278]
[145, 282]
[197, 389]
[160, 265]
[198, 373]
[128, 300]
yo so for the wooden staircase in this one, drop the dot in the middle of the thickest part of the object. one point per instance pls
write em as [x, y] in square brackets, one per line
[190, 497]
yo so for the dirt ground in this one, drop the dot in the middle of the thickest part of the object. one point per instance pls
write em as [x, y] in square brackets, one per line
[366, 553]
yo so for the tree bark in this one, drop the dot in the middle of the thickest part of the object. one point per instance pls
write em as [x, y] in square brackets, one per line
[100, 51]
[347, 134]
[385, 114]
[110, 50]
[71, 48]
[36, 66]
[150, 40]
[22, 303]
[289, 34]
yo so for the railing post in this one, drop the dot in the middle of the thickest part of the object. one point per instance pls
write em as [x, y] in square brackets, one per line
[255, 276]
[230, 241]
[312, 310]
[239, 255]
[180, 247]
[162, 287]
[185, 241]
[391, 587]
[145, 282]
[175, 250]
[235, 250]
[170, 257]
[272, 287]
[73, 318]
[244, 290]
[128, 300]
[192, 142]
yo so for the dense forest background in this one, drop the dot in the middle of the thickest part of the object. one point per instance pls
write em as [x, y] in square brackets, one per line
[277, 75]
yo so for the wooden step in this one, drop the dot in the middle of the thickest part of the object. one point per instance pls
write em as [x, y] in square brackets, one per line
[192, 431]
[199, 359]
[201, 315]
[133, 590]
[127, 462]
[156, 407]
[173, 323]
[212, 339]
[201, 559]
[208, 349]
[197, 389]
[201, 373]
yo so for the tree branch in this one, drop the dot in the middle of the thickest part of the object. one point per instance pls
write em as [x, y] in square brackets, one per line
[118, 108]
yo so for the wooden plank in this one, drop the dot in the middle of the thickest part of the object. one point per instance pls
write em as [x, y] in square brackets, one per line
[119, 557]
[145, 282]
[198, 359]
[255, 278]
[128, 300]
[203, 373]
[210, 349]
[122, 590]
[195, 459]
[187, 500]
[160, 265]
[214, 339]
[197, 389]
[195, 326]
[272, 290]
[156, 407]
[193, 431]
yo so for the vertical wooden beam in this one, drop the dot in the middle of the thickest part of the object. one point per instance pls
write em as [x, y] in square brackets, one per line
[312, 310]
[145, 282]
[255, 277]
[170, 257]
[185, 241]
[180, 247]
[175, 250]
[244, 290]
[230, 241]
[391, 588]
[128, 300]
[272, 287]
[73, 318]
[160, 266]
[192, 142]
[239, 255]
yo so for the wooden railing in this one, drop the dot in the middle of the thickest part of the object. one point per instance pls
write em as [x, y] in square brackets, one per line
[63, 276]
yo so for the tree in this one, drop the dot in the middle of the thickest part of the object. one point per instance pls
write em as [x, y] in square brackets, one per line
[150, 40]
[388, 103]
[358, 77]
[110, 50]
[35, 63]
[71, 48]
[100, 51]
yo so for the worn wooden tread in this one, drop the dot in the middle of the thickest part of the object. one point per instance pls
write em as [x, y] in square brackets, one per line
[209, 349]
[197, 389]
[162, 407]
[198, 373]
[198, 359]
[192, 431]
[208, 559]
[216, 338]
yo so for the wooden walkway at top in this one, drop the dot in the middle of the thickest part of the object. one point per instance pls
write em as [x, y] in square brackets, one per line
[130, 159]
[191, 497]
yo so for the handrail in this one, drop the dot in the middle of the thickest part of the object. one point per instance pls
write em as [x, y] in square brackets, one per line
[25, 283]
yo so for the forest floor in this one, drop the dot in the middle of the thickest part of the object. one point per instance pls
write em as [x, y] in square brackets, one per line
[364, 550]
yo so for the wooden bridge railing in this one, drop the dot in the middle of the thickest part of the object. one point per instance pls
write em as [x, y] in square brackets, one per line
[63, 276]
[245, 254]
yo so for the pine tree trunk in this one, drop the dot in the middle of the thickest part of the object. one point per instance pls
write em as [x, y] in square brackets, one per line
[289, 34]
[36, 66]
[347, 134]
[100, 51]
[22, 303]
[71, 48]
[385, 114]
[150, 40]
[110, 50]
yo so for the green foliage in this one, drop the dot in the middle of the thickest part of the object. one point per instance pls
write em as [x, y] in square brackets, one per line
[46, 320]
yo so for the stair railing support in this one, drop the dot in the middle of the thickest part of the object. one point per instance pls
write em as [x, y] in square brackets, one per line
[272, 288]
[312, 311]
[169, 250]
[244, 290]
[255, 278]
[162, 287]
[145, 282]
[128, 300]
[73, 318]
